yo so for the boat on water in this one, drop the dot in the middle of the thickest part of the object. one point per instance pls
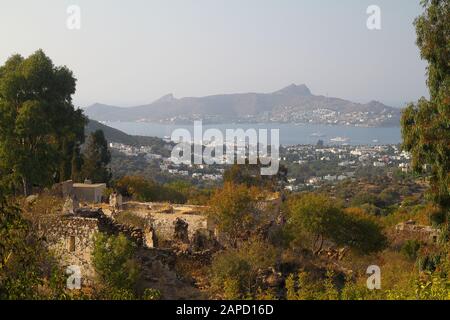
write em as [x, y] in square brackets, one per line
[340, 139]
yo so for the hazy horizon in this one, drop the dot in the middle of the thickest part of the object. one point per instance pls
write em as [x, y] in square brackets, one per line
[230, 93]
[133, 53]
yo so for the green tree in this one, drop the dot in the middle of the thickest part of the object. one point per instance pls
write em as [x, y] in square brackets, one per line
[316, 214]
[77, 165]
[233, 210]
[243, 174]
[96, 158]
[38, 122]
[250, 175]
[136, 187]
[113, 259]
[321, 217]
[361, 234]
[426, 125]
[142, 189]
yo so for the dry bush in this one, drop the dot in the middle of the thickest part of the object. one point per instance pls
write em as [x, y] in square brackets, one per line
[420, 214]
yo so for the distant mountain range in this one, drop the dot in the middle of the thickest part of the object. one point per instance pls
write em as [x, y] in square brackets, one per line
[293, 104]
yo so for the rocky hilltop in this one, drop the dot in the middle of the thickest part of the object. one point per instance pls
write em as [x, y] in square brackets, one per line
[292, 104]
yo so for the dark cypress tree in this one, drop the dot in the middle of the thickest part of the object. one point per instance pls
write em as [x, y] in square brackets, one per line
[96, 158]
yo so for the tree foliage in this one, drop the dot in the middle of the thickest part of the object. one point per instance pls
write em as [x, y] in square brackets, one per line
[426, 125]
[324, 219]
[233, 210]
[142, 189]
[250, 175]
[113, 259]
[96, 158]
[39, 127]
[316, 214]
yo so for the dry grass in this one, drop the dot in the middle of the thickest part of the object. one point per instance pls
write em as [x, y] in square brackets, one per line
[130, 219]
[44, 205]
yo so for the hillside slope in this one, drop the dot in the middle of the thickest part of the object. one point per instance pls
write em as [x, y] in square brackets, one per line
[114, 135]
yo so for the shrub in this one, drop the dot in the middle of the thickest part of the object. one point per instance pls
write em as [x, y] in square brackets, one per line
[112, 293]
[234, 272]
[302, 287]
[410, 249]
[438, 217]
[231, 289]
[113, 259]
[429, 262]
[151, 294]
[27, 269]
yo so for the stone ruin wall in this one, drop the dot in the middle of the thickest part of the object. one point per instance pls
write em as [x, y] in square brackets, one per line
[163, 223]
[411, 230]
[71, 239]
[71, 236]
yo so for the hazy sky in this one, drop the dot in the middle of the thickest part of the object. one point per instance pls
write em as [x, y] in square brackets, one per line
[132, 52]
